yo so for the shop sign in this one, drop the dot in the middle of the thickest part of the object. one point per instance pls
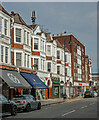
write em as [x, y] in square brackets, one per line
[80, 84]
[13, 78]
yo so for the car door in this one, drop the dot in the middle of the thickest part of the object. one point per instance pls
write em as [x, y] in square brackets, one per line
[33, 102]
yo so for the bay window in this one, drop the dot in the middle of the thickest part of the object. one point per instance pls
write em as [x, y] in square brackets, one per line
[49, 66]
[58, 69]
[58, 54]
[5, 26]
[6, 55]
[18, 35]
[36, 43]
[18, 59]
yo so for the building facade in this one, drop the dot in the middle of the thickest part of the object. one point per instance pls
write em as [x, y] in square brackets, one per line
[77, 51]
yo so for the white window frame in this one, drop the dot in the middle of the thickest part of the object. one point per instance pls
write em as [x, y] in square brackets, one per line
[18, 36]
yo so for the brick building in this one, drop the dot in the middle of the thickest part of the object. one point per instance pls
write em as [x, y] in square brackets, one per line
[77, 51]
[95, 79]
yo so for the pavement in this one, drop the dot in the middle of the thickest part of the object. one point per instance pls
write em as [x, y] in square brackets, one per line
[46, 102]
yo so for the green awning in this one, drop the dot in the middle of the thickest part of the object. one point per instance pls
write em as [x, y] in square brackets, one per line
[56, 82]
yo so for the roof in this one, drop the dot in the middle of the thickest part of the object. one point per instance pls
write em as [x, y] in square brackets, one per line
[61, 39]
[18, 19]
[3, 10]
[33, 26]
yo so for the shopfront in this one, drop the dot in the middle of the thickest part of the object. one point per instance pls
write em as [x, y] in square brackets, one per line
[38, 87]
[55, 88]
[13, 83]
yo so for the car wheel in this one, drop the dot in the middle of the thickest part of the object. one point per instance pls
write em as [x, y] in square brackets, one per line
[28, 108]
[39, 106]
[14, 110]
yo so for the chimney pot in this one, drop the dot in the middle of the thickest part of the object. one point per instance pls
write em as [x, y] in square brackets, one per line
[12, 12]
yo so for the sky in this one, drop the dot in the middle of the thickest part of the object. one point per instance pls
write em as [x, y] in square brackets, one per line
[77, 18]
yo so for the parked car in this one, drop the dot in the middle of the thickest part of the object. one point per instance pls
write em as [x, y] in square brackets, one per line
[95, 94]
[6, 106]
[27, 102]
[88, 94]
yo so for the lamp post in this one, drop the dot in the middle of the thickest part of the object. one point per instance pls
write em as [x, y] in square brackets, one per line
[64, 65]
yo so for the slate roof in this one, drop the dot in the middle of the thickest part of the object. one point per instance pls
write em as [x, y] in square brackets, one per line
[3, 10]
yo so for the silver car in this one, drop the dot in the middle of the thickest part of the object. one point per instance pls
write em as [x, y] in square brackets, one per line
[27, 102]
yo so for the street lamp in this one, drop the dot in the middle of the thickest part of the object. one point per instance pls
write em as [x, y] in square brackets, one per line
[64, 64]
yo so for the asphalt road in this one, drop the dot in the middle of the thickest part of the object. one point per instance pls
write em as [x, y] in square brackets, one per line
[86, 108]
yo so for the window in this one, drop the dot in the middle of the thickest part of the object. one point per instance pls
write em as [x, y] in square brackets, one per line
[5, 27]
[2, 51]
[18, 35]
[6, 55]
[25, 60]
[65, 58]
[0, 24]
[58, 54]
[48, 49]
[43, 45]
[49, 66]
[65, 71]
[58, 69]
[36, 46]
[28, 61]
[24, 37]
[36, 63]
[27, 38]
[18, 59]
[43, 64]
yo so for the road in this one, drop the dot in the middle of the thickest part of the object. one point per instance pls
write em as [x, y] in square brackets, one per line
[86, 108]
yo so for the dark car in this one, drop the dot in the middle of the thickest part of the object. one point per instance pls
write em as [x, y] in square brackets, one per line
[6, 106]
[88, 94]
[27, 102]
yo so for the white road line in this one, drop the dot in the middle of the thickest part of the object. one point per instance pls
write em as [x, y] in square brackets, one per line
[83, 107]
[68, 112]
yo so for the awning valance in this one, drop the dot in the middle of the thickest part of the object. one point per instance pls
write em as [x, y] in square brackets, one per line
[13, 79]
[34, 80]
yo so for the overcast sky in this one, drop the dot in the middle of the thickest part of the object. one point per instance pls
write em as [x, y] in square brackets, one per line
[80, 19]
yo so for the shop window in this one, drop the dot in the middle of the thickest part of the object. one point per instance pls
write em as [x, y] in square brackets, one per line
[18, 59]
[18, 35]
[36, 43]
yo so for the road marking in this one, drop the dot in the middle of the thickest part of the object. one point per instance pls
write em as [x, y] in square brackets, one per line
[91, 103]
[83, 107]
[68, 112]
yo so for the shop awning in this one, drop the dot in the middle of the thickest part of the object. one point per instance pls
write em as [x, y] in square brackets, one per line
[34, 80]
[13, 79]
